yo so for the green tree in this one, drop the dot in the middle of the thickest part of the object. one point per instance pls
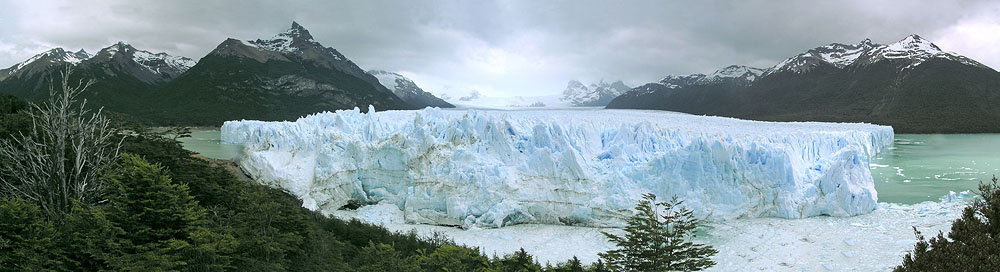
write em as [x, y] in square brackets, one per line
[163, 223]
[27, 238]
[383, 257]
[573, 265]
[453, 258]
[973, 243]
[518, 261]
[91, 241]
[655, 242]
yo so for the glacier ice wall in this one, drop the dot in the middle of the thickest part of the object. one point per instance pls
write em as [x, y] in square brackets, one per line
[575, 167]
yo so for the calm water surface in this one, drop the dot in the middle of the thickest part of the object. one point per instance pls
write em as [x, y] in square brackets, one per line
[922, 167]
[208, 143]
[916, 168]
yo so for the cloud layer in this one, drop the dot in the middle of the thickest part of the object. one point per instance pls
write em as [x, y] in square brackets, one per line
[505, 48]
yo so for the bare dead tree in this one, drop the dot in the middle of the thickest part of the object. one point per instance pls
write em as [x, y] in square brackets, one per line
[60, 159]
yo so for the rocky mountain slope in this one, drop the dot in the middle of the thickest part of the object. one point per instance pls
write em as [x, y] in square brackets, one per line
[911, 85]
[406, 89]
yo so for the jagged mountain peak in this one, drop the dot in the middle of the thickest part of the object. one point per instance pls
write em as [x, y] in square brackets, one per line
[914, 42]
[291, 40]
[595, 94]
[836, 54]
[913, 50]
[40, 62]
[144, 65]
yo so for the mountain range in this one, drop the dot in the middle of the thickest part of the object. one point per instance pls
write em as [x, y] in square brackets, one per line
[912, 85]
[280, 78]
[593, 95]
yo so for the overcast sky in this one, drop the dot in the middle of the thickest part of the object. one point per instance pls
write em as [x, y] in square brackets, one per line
[504, 48]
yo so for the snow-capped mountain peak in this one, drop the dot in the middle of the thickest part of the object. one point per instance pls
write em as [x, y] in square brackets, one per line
[836, 54]
[912, 48]
[290, 40]
[596, 94]
[915, 43]
[53, 56]
[915, 50]
[164, 66]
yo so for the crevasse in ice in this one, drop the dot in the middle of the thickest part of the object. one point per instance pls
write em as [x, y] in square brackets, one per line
[576, 167]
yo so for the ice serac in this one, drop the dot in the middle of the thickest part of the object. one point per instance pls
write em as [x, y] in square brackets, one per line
[574, 167]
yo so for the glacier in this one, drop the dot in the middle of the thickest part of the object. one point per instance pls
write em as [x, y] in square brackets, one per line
[476, 168]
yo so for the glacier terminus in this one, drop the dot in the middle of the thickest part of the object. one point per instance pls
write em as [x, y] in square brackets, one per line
[586, 167]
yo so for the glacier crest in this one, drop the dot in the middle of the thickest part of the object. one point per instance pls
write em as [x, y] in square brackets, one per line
[575, 167]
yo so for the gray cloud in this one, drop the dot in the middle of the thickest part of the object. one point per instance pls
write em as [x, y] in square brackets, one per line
[510, 47]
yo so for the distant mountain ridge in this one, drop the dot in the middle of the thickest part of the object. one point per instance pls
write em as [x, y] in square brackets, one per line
[911, 84]
[593, 95]
[124, 75]
[281, 78]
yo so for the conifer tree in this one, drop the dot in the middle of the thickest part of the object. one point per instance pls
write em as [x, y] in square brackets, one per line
[162, 221]
[973, 243]
[655, 242]
[27, 239]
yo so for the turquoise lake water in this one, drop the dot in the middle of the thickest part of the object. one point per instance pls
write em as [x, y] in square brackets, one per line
[916, 168]
[923, 167]
[208, 143]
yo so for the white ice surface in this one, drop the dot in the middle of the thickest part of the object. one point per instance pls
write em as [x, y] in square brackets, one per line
[871, 242]
[579, 167]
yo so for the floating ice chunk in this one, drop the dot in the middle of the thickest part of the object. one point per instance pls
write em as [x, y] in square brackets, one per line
[573, 167]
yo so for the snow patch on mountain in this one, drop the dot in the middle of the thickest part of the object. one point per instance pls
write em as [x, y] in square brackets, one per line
[55, 55]
[576, 167]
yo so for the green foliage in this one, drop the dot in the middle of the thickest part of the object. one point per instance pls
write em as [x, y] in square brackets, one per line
[518, 261]
[453, 258]
[27, 240]
[973, 243]
[163, 223]
[91, 241]
[573, 265]
[13, 116]
[383, 257]
[654, 242]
